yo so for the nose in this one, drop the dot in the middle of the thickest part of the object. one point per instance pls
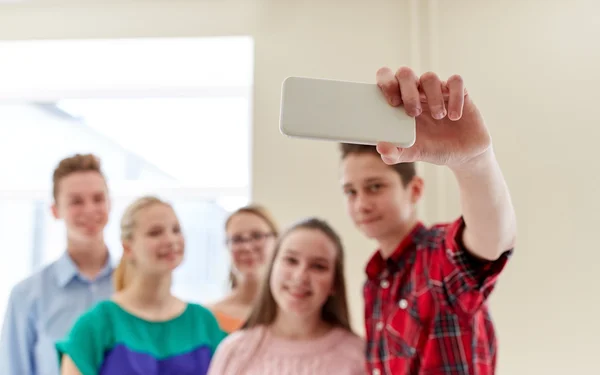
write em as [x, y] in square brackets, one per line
[172, 238]
[245, 246]
[89, 207]
[362, 203]
[301, 274]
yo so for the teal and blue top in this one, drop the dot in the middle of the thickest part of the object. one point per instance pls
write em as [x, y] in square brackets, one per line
[108, 340]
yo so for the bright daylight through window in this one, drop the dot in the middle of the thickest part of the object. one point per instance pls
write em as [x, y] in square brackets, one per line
[158, 112]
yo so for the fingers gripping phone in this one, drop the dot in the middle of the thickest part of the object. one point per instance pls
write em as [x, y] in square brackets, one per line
[342, 111]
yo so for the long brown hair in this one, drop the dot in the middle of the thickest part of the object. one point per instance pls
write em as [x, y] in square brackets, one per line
[334, 311]
[262, 213]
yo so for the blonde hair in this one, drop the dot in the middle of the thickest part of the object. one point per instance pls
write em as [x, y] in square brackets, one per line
[334, 311]
[262, 213]
[74, 164]
[122, 273]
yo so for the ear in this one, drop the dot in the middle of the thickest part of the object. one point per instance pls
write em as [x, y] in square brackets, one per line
[54, 209]
[126, 248]
[415, 188]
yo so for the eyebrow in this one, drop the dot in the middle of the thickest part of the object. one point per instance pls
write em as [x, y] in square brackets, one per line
[320, 258]
[77, 194]
[368, 180]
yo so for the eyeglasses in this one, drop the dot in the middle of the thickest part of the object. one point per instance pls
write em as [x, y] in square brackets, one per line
[255, 237]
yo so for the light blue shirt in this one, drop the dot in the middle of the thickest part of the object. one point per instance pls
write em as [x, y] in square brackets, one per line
[41, 310]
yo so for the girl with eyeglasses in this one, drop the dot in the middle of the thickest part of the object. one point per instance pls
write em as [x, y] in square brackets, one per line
[251, 233]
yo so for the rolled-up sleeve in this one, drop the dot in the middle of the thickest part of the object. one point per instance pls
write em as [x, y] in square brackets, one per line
[18, 335]
[468, 280]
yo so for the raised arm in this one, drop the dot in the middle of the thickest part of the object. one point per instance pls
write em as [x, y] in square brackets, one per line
[450, 131]
[490, 220]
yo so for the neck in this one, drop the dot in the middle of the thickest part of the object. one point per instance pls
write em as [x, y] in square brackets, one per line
[150, 291]
[388, 244]
[246, 290]
[90, 256]
[298, 328]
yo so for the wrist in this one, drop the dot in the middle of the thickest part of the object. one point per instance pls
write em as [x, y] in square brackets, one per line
[480, 163]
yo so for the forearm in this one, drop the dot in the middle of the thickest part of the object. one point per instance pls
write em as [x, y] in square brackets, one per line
[486, 207]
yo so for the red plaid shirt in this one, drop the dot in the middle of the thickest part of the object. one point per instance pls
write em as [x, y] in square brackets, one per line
[425, 306]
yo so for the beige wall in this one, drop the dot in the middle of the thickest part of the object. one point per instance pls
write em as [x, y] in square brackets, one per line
[532, 66]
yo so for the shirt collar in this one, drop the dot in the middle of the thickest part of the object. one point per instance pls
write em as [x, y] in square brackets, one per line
[65, 269]
[377, 265]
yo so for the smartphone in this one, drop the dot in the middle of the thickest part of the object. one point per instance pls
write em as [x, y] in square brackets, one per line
[342, 111]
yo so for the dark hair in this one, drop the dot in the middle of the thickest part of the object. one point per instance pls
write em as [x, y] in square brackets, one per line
[262, 213]
[406, 171]
[334, 311]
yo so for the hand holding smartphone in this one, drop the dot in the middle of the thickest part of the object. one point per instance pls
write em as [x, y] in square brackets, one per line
[342, 111]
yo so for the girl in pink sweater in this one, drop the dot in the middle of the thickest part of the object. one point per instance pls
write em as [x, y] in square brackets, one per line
[300, 322]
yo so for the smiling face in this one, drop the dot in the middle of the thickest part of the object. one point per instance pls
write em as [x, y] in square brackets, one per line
[250, 239]
[303, 274]
[376, 199]
[82, 202]
[156, 244]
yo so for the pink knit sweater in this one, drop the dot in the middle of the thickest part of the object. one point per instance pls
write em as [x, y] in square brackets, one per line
[257, 352]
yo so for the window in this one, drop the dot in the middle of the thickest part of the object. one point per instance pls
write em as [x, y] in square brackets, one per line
[167, 117]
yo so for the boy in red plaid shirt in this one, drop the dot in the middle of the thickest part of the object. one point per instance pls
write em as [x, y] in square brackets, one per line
[427, 287]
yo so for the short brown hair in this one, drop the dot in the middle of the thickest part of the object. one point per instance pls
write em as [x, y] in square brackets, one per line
[74, 164]
[406, 171]
[335, 310]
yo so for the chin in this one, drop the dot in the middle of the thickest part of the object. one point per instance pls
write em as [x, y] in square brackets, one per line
[295, 309]
[90, 235]
[248, 271]
[371, 231]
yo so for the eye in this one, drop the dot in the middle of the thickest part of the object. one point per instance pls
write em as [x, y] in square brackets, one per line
[75, 201]
[373, 188]
[257, 236]
[290, 260]
[350, 192]
[155, 232]
[320, 266]
[236, 240]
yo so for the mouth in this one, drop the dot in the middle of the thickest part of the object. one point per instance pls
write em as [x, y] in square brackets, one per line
[89, 223]
[246, 261]
[170, 255]
[298, 293]
[369, 221]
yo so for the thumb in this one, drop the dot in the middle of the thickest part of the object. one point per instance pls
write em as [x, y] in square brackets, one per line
[391, 154]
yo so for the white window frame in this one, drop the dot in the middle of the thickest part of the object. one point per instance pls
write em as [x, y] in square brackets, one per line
[18, 85]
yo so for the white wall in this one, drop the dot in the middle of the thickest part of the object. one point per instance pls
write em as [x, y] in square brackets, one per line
[530, 65]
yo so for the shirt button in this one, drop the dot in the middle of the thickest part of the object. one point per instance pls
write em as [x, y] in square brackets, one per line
[384, 284]
[379, 326]
[376, 372]
[403, 304]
